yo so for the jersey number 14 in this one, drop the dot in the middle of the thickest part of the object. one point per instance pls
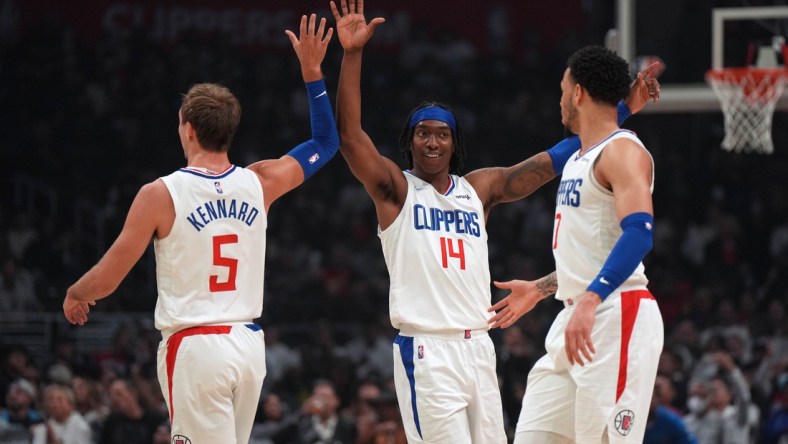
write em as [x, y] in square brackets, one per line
[448, 251]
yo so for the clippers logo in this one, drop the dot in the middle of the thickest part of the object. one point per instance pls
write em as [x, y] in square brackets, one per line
[421, 352]
[314, 158]
[624, 421]
[218, 186]
[180, 439]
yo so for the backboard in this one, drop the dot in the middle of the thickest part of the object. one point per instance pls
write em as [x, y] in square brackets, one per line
[693, 36]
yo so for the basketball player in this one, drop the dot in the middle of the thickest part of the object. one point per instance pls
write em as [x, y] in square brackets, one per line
[208, 223]
[596, 380]
[432, 229]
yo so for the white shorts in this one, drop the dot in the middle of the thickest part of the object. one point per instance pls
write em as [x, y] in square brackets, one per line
[610, 395]
[447, 387]
[211, 377]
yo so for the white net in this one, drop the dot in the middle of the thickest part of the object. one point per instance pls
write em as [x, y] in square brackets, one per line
[748, 97]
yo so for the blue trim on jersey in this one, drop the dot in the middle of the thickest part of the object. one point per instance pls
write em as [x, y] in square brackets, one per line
[451, 187]
[253, 327]
[208, 176]
[563, 150]
[406, 352]
[602, 142]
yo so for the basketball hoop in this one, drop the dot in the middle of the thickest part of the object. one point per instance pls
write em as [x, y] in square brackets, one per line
[748, 97]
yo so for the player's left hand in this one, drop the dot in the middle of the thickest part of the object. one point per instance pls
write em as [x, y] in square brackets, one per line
[76, 312]
[645, 87]
[577, 336]
[522, 299]
[310, 46]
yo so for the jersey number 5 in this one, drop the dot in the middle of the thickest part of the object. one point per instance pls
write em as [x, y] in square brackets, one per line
[447, 251]
[221, 261]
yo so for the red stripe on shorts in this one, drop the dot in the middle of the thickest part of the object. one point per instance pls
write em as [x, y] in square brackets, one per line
[174, 342]
[630, 302]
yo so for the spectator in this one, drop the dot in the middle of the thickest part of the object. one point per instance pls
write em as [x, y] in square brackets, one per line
[665, 425]
[720, 408]
[362, 411]
[65, 425]
[320, 422]
[129, 422]
[162, 433]
[275, 422]
[16, 365]
[389, 428]
[89, 402]
[20, 408]
[17, 288]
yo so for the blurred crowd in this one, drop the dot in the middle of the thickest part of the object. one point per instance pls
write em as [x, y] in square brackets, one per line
[85, 125]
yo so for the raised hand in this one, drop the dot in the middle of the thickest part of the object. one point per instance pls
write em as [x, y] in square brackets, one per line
[645, 87]
[352, 28]
[310, 46]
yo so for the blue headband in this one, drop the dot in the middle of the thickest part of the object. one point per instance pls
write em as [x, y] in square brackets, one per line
[433, 113]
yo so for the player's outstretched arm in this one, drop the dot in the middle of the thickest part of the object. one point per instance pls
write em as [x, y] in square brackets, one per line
[506, 184]
[523, 298]
[150, 208]
[381, 177]
[281, 175]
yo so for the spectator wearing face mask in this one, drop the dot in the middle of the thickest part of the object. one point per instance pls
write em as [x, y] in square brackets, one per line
[720, 408]
[664, 424]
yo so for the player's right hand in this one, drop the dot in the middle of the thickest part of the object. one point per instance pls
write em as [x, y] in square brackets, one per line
[645, 87]
[76, 312]
[522, 299]
[352, 28]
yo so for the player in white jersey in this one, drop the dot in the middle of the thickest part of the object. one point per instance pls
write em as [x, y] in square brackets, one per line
[596, 380]
[208, 221]
[432, 229]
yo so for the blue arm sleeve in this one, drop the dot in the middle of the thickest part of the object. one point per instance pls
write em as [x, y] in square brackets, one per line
[564, 149]
[633, 245]
[317, 151]
[623, 112]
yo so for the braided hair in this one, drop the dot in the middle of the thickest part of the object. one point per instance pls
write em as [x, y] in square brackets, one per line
[458, 139]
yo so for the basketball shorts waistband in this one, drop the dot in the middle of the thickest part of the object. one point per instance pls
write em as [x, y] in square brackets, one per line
[640, 294]
[453, 334]
[212, 329]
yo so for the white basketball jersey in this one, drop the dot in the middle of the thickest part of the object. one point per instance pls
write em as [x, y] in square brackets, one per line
[436, 253]
[209, 269]
[586, 226]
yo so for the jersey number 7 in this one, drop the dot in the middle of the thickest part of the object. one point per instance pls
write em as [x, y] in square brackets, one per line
[213, 283]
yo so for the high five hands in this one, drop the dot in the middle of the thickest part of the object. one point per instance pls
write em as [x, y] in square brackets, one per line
[310, 46]
[352, 28]
[645, 87]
